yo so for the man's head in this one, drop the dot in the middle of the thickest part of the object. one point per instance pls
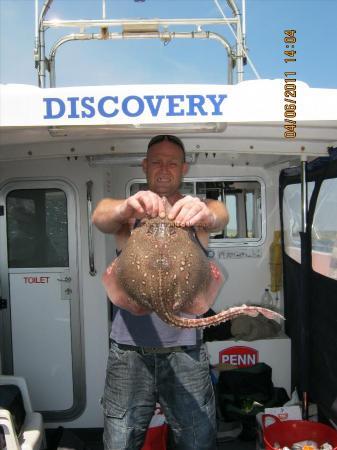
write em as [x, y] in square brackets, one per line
[167, 137]
[165, 165]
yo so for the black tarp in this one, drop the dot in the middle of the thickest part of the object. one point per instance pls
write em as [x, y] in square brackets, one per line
[311, 303]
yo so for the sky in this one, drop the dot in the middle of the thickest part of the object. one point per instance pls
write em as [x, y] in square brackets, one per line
[181, 61]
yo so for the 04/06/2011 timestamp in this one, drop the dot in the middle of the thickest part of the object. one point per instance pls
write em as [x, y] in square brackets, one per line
[290, 86]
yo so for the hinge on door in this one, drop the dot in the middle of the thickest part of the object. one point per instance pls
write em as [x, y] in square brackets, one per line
[3, 303]
[2, 210]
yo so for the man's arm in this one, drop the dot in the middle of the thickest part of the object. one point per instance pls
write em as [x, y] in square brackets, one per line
[221, 216]
[107, 216]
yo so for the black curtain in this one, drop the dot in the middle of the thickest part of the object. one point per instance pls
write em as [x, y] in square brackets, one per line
[311, 303]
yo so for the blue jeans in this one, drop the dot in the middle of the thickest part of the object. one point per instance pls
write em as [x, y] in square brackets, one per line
[181, 383]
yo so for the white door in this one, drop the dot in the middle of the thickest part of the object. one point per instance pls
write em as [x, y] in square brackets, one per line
[40, 278]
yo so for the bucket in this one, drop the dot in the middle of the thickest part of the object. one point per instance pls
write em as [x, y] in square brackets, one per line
[288, 432]
[156, 438]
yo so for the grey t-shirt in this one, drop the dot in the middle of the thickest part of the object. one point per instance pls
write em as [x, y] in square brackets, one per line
[149, 331]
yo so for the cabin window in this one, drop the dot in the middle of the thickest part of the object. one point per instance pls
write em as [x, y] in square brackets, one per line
[324, 230]
[37, 228]
[292, 219]
[324, 226]
[244, 198]
[231, 230]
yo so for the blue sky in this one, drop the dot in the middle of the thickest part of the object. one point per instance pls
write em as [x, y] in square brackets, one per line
[181, 61]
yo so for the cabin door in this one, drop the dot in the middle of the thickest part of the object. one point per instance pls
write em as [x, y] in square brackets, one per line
[40, 283]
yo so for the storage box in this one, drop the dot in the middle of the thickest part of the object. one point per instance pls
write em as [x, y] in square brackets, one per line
[276, 352]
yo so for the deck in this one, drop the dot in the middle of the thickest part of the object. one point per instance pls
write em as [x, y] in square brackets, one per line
[91, 439]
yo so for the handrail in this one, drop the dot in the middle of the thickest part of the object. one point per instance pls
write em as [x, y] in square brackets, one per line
[239, 40]
[92, 270]
[57, 23]
[164, 36]
[40, 45]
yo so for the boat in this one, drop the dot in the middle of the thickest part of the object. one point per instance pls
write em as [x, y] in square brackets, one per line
[265, 147]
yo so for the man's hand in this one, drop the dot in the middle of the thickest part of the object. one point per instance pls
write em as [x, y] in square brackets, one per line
[190, 211]
[141, 204]
[115, 215]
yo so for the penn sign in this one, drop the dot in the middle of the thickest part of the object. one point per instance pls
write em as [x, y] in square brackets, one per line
[239, 356]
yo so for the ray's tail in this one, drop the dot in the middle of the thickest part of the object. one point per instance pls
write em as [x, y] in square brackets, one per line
[223, 316]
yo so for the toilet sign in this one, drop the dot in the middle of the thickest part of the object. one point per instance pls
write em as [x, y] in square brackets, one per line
[240, 356]
[36, 280]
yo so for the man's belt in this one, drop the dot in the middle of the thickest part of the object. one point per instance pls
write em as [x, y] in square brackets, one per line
[158, 350]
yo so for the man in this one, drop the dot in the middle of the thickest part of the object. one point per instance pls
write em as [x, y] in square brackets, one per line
[150, 360]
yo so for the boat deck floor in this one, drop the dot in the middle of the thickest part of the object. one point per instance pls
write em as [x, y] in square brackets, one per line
[91, 439]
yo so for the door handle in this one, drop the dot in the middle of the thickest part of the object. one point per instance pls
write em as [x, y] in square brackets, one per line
[66, 279]
[92, 270]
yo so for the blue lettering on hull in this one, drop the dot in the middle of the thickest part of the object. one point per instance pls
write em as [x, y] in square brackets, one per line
[191, 105]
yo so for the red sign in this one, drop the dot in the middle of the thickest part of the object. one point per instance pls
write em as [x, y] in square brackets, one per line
[239, 356]
[36, 280]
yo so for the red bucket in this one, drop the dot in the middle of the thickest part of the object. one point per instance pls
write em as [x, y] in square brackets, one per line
[288, 432]
[156, 438]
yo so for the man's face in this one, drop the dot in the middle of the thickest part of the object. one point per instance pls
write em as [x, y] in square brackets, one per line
[164, 168]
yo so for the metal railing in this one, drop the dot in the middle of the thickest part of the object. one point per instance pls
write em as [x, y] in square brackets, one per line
[162, 29]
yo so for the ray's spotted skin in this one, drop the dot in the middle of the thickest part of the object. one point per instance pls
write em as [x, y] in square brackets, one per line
[163, 269]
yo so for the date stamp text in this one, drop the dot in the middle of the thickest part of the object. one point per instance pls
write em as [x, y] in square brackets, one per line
[289, 85]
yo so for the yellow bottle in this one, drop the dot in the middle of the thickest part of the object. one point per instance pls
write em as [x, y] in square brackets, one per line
[275, 261]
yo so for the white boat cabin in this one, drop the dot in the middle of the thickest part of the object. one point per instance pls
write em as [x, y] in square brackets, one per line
[62, 149]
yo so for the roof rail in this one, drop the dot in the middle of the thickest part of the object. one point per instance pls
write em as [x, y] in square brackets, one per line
[163, 29]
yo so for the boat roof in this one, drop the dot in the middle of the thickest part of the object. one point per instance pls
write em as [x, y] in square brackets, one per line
[248, 117]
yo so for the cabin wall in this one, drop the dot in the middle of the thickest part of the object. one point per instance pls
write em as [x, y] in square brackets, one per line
[112, 181]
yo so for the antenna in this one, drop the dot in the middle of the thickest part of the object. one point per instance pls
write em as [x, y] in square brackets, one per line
[243, 9]
[36, 32]
[243, 32]
[103, 9]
